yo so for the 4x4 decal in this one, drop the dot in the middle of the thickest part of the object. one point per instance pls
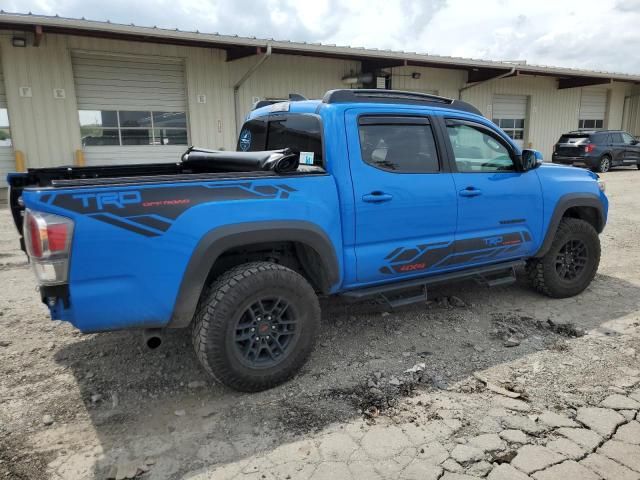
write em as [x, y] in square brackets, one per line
[152, 211]
[443, 254]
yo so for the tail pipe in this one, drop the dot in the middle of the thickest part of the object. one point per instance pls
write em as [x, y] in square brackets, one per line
[152, 338]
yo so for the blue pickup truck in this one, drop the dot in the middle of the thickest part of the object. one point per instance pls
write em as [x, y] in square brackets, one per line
[365, 194]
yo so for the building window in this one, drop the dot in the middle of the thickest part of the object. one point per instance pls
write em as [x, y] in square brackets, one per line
[119, 127]
[590, 124]
[5, 131]
[514, 127]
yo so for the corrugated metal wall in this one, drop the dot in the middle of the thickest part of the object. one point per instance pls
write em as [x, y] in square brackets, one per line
[47, 128]
[445, 82]
[3, 95]
[6, 152]
[551, 111]
[632, 114]
[280, 75]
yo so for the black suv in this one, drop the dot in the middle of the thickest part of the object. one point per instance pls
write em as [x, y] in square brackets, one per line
[598, 150]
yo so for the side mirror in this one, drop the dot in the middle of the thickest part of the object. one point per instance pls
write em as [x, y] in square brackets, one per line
[530, 159]
[635, 141]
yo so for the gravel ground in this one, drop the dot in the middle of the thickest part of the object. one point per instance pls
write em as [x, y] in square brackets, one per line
[78, 406]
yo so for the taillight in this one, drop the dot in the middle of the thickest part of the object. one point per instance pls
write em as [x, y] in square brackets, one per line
[589, 148]
[48, 242]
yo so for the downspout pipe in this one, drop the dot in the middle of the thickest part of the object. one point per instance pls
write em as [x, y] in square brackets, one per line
[503, 75]
[244, 78]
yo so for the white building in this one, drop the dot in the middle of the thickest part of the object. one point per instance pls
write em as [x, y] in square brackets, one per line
[84, 92]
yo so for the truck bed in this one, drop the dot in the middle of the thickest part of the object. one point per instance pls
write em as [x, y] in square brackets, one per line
[196, 165]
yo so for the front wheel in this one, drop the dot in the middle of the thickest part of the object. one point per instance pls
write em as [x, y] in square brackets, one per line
[571, 262]
[256, 326]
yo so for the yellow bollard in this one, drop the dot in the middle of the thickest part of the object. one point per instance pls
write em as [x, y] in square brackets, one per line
[79, 158]
[21, 164]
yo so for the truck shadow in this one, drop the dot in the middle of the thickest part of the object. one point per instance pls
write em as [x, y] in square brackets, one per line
[161, 404]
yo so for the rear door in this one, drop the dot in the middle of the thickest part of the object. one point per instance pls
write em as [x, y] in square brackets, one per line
[405, 200]
[631, 149]
[618, 148]
[499, 208]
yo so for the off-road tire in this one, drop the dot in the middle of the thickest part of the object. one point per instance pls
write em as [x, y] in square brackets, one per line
[604, 164]
[542, 272]
[214, 325]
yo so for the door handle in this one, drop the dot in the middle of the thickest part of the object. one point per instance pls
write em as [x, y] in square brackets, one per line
[377, 197]
[470, 192]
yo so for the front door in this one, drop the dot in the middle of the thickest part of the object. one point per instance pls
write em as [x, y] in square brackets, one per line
[631, 150]
[617, 148]
[405, 199]
[499, 208]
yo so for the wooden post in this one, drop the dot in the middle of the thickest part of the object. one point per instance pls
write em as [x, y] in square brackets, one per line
[21, 164]
[79, 158]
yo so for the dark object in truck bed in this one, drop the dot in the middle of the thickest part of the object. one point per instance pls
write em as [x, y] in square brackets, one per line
[279, 161]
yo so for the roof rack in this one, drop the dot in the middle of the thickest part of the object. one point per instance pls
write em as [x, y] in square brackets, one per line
[396, 97]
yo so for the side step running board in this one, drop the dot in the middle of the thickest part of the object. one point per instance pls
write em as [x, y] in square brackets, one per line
[412, 291]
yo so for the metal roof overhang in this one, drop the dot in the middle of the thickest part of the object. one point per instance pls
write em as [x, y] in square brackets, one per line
[240, 47]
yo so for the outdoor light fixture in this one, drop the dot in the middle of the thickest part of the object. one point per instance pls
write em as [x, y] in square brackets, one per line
[19, 41]
[416, 75]
[358, 78]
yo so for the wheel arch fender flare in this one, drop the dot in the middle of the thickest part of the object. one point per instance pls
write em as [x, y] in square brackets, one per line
[566, 202]
[219, 240]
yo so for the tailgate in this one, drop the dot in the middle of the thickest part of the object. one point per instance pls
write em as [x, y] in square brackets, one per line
[570, 150]
[17, 182]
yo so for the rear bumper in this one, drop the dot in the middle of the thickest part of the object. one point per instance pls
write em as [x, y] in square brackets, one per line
[590, 162]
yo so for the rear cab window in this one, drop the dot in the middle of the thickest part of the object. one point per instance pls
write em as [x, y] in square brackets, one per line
[300, 132]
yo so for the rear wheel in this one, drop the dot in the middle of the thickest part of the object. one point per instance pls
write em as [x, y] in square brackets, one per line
[570, 264]
[256, 326]
[605, 164]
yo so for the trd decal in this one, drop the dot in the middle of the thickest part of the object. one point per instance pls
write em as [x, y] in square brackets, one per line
[152, 211]
[443, 254]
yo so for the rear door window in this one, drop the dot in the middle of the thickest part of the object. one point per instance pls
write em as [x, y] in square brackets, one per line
[616, 138]
[398, 145]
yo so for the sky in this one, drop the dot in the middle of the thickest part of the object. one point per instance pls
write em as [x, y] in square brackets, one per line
[591, 34]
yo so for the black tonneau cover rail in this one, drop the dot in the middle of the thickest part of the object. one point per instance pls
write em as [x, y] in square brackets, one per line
[195, 161]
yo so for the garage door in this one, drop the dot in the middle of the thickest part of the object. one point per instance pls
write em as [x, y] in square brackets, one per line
[510, 113]
[593, 108]
[131, 109]
[7, 163]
